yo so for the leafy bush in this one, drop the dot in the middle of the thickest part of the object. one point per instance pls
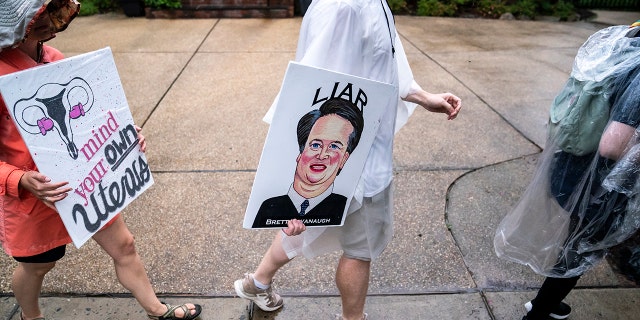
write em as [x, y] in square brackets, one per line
[492, 8]
[445, 8]
[563, 9]
[397, 5]
[88, 8]
[524, 8]
[488, 8]
[91, 7]
[437, 8]
[166, 4]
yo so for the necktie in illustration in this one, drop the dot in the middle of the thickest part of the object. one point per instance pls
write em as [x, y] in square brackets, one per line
[303, 207]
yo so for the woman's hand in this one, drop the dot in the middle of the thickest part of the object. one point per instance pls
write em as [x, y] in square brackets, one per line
[41, 187]
[141, 140]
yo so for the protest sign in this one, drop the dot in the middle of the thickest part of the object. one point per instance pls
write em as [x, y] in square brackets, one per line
[74, 118]
[322, 129]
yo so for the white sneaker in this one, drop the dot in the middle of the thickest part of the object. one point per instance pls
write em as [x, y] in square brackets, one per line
[266, 299]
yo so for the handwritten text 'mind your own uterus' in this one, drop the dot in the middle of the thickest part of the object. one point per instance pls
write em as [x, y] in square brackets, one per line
[113, 196]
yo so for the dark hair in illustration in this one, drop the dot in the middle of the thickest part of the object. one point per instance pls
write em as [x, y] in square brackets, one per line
[338, 106]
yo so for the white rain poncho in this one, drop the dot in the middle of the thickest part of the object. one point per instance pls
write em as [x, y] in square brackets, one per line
[357, 37]
[585, 195]
[16, 17]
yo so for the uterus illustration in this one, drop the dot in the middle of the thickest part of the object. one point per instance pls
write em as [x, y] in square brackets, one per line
[53, 108]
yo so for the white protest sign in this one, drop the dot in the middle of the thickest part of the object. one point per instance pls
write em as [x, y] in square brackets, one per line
[74, 118]
[323, 127]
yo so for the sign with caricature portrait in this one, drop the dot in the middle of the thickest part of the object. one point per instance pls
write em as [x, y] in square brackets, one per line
[322, 129]
[75, 120]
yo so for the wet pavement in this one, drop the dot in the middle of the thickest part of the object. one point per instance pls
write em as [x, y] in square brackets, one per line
[199, 89]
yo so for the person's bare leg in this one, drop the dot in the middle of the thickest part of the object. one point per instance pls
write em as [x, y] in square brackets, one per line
[274, 259]
[27, 283]
[352, 279]
[118, 242]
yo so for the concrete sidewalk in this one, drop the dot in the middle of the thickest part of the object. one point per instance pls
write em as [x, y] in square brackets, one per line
[199, 88]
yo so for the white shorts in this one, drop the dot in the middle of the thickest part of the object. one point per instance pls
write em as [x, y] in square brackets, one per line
[365, 234]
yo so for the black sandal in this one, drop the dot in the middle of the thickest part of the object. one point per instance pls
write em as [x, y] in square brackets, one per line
[171, 313]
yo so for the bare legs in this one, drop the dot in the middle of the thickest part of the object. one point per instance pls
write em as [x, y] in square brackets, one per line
[27, 283]
[352, 277]
[274, 259]
[118, 242]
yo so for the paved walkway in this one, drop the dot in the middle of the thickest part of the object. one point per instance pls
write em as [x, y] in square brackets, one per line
[199, 88]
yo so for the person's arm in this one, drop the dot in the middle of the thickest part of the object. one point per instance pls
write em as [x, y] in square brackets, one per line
[615, 140]
[440, 103]
[14, 180]
[10, 180]
[42, 187]
[39, 184]
[616, 144]
[410, 90]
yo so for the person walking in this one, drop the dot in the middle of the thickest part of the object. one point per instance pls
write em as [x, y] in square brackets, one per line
[31, 231]
[356, 37]
[583, 198]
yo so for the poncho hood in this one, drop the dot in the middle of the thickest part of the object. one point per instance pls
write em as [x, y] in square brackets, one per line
[15, 19]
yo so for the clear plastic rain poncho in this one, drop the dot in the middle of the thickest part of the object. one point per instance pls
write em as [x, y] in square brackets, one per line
[585, 195]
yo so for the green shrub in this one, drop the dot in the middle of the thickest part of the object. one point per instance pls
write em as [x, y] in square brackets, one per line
[397, 5]
[491, 8]
[563, 9]
[91, 7]
[166, 4]
[436, 8]
[88, 8]
[524, 8]
[449, 8]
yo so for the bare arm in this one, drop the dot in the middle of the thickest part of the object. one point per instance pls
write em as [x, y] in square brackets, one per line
[41, 187]
[614, 140]
[440, 103]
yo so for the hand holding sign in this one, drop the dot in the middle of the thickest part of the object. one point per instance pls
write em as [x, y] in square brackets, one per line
[74, 118]
[42, 187]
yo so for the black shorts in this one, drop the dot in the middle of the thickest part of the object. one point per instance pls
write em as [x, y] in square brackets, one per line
[52, 255]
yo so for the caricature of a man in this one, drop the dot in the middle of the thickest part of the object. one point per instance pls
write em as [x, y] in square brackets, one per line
[326, 138]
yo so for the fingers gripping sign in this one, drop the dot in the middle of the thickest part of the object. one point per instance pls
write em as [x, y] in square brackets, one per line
[294, 227]
[42, 187]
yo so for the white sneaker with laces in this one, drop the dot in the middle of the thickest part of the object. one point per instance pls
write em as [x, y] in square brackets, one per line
[265, 299]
